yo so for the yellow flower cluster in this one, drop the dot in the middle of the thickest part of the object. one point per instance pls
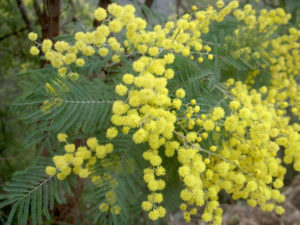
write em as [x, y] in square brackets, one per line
[281, 52]
[78, 160]
[246, 165]
[285, 71]
[190, 172]
[235, 150]
[180, 37]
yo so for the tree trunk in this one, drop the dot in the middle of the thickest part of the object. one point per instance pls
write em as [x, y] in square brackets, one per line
[50, 20]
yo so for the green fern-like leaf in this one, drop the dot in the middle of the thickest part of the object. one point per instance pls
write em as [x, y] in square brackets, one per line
[82, 106]
[31, 193]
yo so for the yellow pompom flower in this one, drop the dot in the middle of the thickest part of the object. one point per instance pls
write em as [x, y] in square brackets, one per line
[115, 10]
[34, 50]
[153, 51]
[103, 52]
[32, 36]
[235, 4]
[218, 113]
[154, 214]
[184, 171]
[160, 171]
[279, 210]
[69, 58]
[231, 123]
[119, 108]
[60, 176]
[200, 59]
[121, 89]
[155, 160]
[111, 132]
[234, 105]
[77, 161]
[220, 3]
[80, 62]
[115, 58]
[208, 125]
[191, 136]
[46, 45]
[147, 206]
[88, 50]
[177, 103]
[84, 173]
[213, 148]
[138, 66]
[62, 137]
[125, 130]
[169, 73]
[162, 211]
[61, 46]
[139, 136]
[169, 58]
[100, 14]
[197, 109]
[128, 78]
[92, 143]
[180, 93]
[115, 26]
[70, 148]
[50, 170]
[183, 207]
[194, 7]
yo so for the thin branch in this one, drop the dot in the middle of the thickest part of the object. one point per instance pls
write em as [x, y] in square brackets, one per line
[13, 33]
[65, 101]
[24, 15]
[86, 102]
[223, 91]
[36, 187]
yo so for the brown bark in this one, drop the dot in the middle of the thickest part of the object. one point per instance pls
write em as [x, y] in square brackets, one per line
[48, 18]
[149, 3]
[103, 4]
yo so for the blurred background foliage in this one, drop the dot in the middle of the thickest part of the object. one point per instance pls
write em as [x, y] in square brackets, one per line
[52, 18]
[18, 18]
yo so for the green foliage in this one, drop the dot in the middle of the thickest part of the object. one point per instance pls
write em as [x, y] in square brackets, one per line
[32, 193]
[83, 108]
